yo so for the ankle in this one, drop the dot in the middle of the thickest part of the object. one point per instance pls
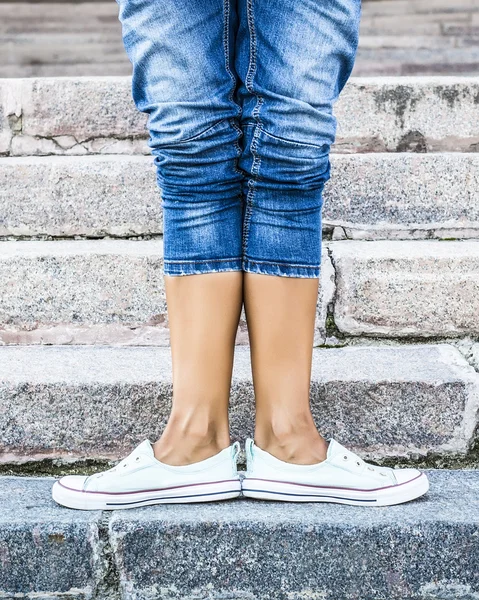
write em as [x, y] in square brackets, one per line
[184, 442]
[297, 442]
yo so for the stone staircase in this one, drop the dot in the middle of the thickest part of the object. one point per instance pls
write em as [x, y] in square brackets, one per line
[397, 37]
[85, 369]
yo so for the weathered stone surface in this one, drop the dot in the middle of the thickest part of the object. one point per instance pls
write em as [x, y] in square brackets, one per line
[98, 292]
[460, 60]
[374, 196]
[83, 291]
[10, 112]
[99, 402]
[52, 109]
[43, 39]
[371, 196]
[426, 114]
[374, 114]
[73, 196]
[422, 288]
[46, 551]
[271, 551]
[243, 549]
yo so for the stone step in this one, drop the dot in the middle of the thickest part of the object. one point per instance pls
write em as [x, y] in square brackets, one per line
[370, 196]
[99, 402]
[42, 116]
[407, 62]
[112, 291]
[96, 292]
[405, 8]
[406, 289]
[243, 549]
[38, 38]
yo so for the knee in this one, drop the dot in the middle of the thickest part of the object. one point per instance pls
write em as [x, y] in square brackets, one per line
[287, 162]
[204, 162]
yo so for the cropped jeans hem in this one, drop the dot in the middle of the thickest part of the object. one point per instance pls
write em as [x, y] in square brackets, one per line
[198, 267]
[281, 269]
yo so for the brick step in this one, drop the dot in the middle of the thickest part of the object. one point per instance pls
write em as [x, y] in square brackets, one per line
[243, 549]
[370, 196]
[97, 115]
[99, 402]
[112, 291]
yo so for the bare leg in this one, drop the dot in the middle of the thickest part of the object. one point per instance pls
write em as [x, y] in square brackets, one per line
[203, 313]
[280, 313]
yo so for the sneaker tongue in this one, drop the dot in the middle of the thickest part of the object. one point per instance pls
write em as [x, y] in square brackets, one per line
[334, 448]
[144, 448]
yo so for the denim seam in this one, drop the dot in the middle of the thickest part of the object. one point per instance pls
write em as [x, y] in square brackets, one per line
[279, 264]
[196, 136]
[226, 46]
[255, 167]
[201, 260]
[289, 141]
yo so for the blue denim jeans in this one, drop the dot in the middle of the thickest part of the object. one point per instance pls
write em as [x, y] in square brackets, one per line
[239, 95]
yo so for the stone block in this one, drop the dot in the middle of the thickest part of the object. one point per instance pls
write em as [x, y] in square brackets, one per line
[85, 291]
[415, 114]
[46, 551]
[272, 551]
[99, 402]
[374, 196]
[74, 196]
[80, 109]
[406, 288]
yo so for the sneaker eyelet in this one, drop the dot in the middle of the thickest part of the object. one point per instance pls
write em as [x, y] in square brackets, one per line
[137, 458]
[345, 457]
[358, 463]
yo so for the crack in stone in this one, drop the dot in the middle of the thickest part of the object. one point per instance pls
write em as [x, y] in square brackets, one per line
[108, 587]
[332, 329]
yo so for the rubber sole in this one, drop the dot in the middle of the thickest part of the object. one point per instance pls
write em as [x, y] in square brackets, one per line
[204, 492]
[263, 489]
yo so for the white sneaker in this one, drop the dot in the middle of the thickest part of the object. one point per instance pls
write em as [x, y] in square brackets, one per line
[140, 479]
[343, 478]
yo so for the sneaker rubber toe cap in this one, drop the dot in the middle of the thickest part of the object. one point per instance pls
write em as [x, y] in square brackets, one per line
[406, 475]
[72, 482]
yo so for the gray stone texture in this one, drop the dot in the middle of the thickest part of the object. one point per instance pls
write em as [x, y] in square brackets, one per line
[43, 39]
[406, 288]
[371, 196]
[46, 551]
[51, 109]
[10, 112]
[99, 402]
[400, 114]
[427, 549]
[83, 291]
[388, 196]
[243, 549]
[98, 292]
[427, 114]
[72, 196]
